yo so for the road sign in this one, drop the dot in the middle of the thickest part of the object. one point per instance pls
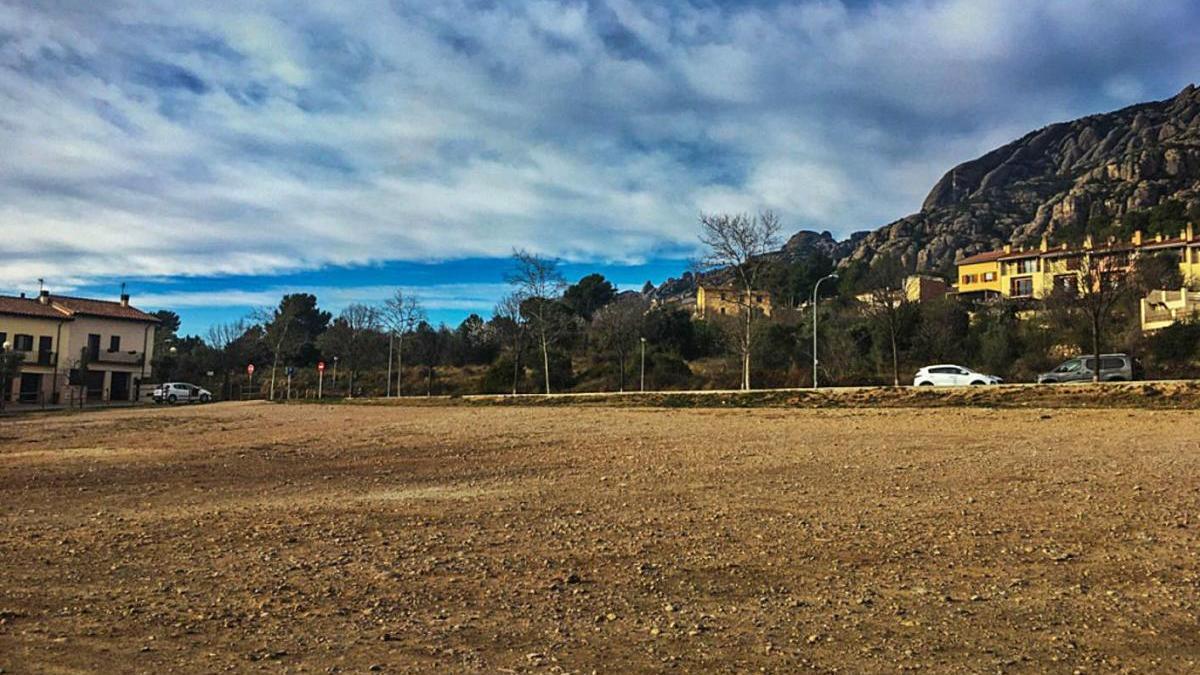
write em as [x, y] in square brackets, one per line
[291, 371]
[321, 366]
[250, 369]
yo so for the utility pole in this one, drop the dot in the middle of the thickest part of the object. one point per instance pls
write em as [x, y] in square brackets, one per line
[388, 388]
[816, 287]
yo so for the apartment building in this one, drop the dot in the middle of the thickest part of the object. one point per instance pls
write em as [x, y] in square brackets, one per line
[1035, 273]
[715, 301]
[56, 335]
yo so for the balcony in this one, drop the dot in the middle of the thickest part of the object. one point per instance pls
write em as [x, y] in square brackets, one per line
[119, 358]
[31, 358]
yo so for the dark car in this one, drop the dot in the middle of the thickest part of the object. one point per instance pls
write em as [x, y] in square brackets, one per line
[1113, 368]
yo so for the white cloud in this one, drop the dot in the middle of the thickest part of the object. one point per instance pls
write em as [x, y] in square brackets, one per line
[158, 138]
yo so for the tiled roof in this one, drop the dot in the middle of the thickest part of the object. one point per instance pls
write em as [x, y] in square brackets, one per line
[102, 308]
[30, 307]
[986, 256]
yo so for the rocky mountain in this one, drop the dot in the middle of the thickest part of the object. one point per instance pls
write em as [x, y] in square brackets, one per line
[1051, 181]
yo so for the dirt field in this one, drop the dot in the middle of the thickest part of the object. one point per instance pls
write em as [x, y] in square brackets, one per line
[248, 537]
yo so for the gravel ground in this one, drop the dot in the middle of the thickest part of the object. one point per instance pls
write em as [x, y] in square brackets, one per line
[311, 538]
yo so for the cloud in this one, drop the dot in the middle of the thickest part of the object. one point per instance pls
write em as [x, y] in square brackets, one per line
[154, 138]
[463, 297]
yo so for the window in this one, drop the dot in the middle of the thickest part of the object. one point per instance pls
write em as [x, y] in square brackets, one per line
[93, 346]
[966, 279]
[3, 339]
[1070, 366]
[989, 276]
[944, 370]
[1022, 287]
[22, 343]
[1066, 282]
[1028, 266]
[114, 343]
[1111, 363]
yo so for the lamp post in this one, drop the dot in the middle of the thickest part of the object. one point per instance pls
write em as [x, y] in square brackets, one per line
[335, 360]
[5, 387]
[817, 287]
[643, 385]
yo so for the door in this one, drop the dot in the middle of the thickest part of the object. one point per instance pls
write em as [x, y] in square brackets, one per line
[45, 356]
[962, 376]
[31, 388]
[93, 347]
[94, 381]
[119, 387]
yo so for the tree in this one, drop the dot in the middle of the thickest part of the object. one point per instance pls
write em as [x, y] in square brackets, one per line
[10, 366]
[538, 283]
[1100, 287]
[740, 243]
[511, 326]
[885, 304]
[618, 327]
[289, 328]
[225, 340]
[349, 337]
[402, 313]
[588, 295]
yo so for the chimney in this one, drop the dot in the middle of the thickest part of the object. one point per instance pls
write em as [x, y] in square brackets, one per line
[1137, 238]
[1008, 248]
[1087, 242]
[1158, 237]
[44, 297]
[124, 299]
[1045, 244]
[1190, 231]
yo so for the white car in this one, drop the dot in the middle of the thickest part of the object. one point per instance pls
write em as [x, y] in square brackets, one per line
[950, 375]
[181, 392]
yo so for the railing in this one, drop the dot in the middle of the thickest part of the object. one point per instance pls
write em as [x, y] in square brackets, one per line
[32, 358]
[123, 358]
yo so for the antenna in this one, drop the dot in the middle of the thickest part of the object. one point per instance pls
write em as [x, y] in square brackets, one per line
[41, 284]
[122, 288]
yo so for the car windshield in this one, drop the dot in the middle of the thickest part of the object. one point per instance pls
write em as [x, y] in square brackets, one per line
[1069, 366]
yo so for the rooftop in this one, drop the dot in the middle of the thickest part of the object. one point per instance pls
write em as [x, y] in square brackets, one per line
[65, 308]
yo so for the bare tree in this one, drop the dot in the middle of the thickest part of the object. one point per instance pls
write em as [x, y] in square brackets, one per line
[539, 284]
[508, 312]
[1100, 286]
[617, 327]
[401, 313]
[740, 243]
[886, 302]
[280, 335]
[222, 337]
[348, 335]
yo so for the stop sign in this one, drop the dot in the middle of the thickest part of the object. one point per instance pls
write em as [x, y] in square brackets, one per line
[320, 365]
[250, 369]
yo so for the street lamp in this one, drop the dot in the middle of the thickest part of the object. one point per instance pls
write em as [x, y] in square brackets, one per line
[816, 287]
[5, 387]
[335, 360]
[643, 386]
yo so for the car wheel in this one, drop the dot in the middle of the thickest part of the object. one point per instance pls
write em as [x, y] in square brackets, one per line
[924, 384]
[978, 383]
[205, 398]
[1116, 379]
[172, 399]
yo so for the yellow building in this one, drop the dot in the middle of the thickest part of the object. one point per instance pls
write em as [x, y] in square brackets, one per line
[55, 333]
[1035, 273]
[715, 301]
[1162, 308]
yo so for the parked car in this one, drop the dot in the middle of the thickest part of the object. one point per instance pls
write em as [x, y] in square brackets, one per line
[950, 375]
[1113, 368]
[181, 392]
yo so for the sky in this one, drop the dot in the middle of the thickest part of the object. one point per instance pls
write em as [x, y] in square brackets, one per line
[214, 155]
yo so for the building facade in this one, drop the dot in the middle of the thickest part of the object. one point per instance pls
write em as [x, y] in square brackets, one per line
[716, 301]
[1035, 273]
[71, 346]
